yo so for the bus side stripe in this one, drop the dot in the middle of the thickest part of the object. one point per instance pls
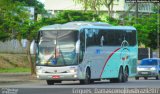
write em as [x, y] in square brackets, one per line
[108, 60]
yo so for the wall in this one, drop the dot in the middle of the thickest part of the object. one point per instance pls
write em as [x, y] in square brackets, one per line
[11, 46]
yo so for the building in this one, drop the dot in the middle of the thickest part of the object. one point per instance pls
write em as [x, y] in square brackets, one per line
[118, 8]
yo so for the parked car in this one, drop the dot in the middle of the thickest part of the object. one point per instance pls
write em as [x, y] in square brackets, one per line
[149, 67]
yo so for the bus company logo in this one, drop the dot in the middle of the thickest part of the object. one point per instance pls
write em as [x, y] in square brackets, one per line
[9, 91]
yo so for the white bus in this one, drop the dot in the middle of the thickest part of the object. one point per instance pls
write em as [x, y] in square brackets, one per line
[86, 51]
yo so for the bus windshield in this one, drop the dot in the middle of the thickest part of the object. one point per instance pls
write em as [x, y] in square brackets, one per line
[57, 48]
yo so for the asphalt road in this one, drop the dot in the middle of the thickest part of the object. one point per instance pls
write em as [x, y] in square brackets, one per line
[150, 86]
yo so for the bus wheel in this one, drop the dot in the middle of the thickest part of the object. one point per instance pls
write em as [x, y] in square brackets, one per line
[137, 78]
[92, 81]
[50, 82]
[119, 79]
[113, 80]
[120, 76]
[87, 77]
[125, 76]
[157, 77]
[145, 78]
[81, 81]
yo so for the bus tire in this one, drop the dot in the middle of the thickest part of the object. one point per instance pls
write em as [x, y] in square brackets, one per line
[92, 81]
[113, 80]
[137, 78]
[87, 77]
[145, 78]
[81, 82]
[120, 76]
[50, 82]
[125, 75]
[157, 77]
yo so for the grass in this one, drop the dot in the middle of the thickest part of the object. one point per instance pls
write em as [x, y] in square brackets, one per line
[14, 63]
[14, 70]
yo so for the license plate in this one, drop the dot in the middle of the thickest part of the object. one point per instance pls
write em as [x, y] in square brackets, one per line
[144, 72]
[56, 77]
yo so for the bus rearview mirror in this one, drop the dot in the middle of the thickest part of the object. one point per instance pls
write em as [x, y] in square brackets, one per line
[33, 47]
[77, 46]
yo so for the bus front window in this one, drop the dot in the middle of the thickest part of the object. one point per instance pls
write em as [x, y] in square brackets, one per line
[59, 49]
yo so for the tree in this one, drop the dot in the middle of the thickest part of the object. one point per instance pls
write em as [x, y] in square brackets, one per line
[95, 5]
[147, 29]
[70, 15]
[12, 16]
[15, 23]
[39, 7]
[109, 6]
[29, 32]
[131, 5]
[90, 4]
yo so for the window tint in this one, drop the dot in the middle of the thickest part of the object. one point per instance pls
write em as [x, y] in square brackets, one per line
[131, 37]
[91, 37]
[82, 40]
[110, 37]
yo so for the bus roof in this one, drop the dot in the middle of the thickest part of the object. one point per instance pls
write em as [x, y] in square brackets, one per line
[112, 27]
[82, 24]
[73, 25]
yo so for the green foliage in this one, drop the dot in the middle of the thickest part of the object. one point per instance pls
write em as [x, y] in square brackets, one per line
[39, 7]
[94, 5]
[67, 16]
[15, 22]
[110, 20]
[147, 29]
[3, 36]
[30, 29]
[12, 16]
[77, 16]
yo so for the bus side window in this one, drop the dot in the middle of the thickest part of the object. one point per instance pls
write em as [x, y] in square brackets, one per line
[131, 37]
[90, 41]
[111, 37]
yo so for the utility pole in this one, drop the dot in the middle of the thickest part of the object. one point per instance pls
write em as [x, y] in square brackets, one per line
[136, 12]
[158, 23]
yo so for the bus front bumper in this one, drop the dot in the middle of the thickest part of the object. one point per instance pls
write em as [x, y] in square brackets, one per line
[60, 76]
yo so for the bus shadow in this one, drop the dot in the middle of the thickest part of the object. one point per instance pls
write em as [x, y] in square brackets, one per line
[78, 83]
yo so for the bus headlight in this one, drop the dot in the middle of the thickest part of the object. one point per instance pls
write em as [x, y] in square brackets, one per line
[73, 70]
[40, 70]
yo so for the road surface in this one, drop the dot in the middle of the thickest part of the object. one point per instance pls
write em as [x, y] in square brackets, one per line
[150, 86]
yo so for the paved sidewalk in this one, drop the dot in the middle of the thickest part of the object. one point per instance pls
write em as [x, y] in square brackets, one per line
[15, 77]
